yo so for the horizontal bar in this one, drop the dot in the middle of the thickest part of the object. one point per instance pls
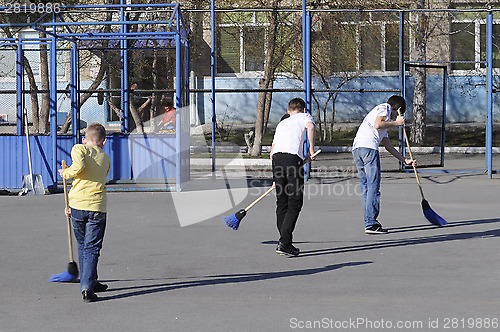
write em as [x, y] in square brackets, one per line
[291, 90]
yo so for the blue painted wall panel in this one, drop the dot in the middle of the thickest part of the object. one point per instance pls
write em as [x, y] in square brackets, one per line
[133, 157]
[152, 157]
[466, 100]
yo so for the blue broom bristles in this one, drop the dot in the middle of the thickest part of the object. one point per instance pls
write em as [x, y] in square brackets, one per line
[432, 216]
[234, 220]
[63, 277]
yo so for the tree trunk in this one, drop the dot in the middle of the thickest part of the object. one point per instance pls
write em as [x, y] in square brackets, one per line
[33, 93]
[267, 106]
[98, 80]
[44, 113]
[419, 94]
[155, 97]
[264, 102]
[259, 120]
[334, 98]
[84, 97]
[137, 116]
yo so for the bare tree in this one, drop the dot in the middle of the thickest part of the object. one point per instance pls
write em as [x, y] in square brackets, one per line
[420, 92]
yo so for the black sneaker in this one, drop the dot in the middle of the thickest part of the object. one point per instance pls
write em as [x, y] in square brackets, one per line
[376, 229]
[89, 296]
[98, 287]
[287, 250]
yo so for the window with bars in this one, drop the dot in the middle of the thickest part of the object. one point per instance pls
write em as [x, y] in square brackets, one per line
[365, 46]
[240, 49]
[468, 38]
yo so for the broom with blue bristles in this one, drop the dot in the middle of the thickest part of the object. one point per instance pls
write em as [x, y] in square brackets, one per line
[234, 220]
[71, 275]
[429, 214]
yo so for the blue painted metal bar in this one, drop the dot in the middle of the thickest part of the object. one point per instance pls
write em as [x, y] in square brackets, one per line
[402, 71]
[74, 91]
[443, 121]
[53, 109]
[306, 42]
[178, 108]
[489, 92]
[67, 24]
[213, 70]
[306, 61]
[117, 35]
[125, 93]
[20, 86]
[117, 6]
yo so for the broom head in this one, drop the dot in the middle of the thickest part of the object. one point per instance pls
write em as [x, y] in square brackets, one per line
[233, 220]
[432, 216]
[71, 275]
[73, 268]
[63, 277]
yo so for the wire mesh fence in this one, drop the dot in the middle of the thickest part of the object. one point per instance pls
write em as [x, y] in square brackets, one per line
[355, 65]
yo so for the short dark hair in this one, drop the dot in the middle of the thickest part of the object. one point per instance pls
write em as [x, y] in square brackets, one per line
[96, 131]
[397, 102]
[167, 101]
[297, 104]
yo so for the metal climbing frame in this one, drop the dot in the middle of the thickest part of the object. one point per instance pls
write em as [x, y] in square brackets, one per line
[160, 158]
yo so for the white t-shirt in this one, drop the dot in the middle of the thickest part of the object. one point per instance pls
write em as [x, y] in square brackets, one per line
[289, 135]
[367, 136]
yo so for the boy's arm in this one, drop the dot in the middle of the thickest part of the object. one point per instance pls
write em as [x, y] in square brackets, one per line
[310, 138]
[77, 162]
[380, 122]
[386, 142]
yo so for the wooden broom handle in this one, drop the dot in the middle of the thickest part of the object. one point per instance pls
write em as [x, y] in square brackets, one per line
[315, 153]
[411, 157]
[66, 203]
[260, 197]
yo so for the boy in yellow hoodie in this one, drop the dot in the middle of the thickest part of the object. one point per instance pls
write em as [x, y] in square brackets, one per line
[87, 202]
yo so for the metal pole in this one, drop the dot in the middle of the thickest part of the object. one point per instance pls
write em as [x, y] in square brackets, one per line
[489, 91]
[213, 69]
[53, 105]
[178, 105]
[402, 70]
[20, 86]
[124, 72]
[443, 121]
[306, 61]
[306, 42]
[74, 90]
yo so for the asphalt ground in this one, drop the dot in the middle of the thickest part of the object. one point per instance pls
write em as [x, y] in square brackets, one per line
[206, 276]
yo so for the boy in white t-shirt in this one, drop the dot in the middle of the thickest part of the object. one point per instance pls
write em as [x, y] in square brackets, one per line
[371, 133]
[288, 158]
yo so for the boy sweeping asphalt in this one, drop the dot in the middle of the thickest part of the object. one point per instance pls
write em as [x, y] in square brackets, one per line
[287, 157]
[371, 133]
[87, 202]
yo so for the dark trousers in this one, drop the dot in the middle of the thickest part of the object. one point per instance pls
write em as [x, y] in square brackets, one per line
[288, 175]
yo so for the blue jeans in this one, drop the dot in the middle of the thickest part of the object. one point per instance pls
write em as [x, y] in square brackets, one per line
[89, 227]
[368, 165]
